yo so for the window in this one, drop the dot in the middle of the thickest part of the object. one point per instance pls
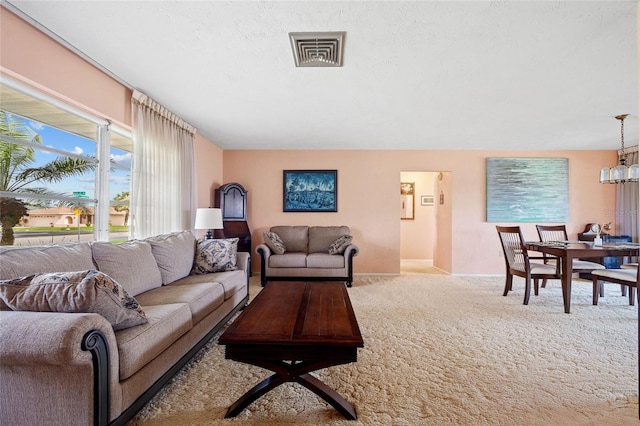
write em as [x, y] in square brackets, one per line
[63, 176]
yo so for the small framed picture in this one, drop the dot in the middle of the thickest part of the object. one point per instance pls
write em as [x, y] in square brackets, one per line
[426, 200]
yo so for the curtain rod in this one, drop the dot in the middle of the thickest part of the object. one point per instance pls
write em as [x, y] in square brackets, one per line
[37, 25]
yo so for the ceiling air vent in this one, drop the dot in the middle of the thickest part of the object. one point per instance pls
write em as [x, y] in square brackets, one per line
[317, 49]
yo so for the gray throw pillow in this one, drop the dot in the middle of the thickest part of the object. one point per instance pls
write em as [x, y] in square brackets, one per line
[340, 244]
[215, 255]
[88, 291]
[130, 263]
[20, 261]
[273, 241]
[174, 254]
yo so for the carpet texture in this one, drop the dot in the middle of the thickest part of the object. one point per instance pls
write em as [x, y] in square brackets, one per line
[442, 350]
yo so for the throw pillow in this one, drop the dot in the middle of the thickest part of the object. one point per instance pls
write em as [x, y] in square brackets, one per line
[20, 261]
[79, 291]
[340, 244]
[130, 263]
[174, 254]
[215, 255]
[273, 241]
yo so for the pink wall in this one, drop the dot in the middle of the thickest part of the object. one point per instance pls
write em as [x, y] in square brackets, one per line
[45, 64]
[208, 172]
[442, 256]
[367, 180]
[368, 200]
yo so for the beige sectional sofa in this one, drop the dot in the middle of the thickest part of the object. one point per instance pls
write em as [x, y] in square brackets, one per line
[310, 253]
[80, 367]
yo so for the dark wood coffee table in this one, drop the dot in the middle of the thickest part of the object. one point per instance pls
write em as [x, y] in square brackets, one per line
[292, 329]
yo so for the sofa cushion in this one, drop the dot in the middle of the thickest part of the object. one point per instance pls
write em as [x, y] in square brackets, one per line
[202, 297]
[215, 255]
[130, 263]
[274, 242]
[289, 260]
[28, 260]
[295, 238]
[321, 237]
[174, 254]
[231, 281]
[324, 260]
[137, 346]
[340, 244]
[88, 291]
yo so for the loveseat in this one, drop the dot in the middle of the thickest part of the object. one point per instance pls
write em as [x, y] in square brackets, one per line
[310, 253]
[158, 304]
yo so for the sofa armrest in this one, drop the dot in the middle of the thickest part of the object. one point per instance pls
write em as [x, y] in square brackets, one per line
[352, 250]
[28, 338]
[243, 261]
[263, 250]
[75, 351]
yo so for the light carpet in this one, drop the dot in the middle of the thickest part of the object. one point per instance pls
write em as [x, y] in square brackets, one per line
[442, 350]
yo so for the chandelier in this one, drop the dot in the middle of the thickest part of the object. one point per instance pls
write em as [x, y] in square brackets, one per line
[620, 173]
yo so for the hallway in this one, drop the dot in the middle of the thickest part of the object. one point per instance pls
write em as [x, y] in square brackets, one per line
[418, 266]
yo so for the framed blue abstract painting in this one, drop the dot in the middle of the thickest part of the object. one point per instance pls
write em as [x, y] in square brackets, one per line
[527, 190]
[310, 191]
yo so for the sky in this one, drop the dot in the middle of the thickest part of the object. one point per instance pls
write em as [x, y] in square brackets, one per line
[49, 136]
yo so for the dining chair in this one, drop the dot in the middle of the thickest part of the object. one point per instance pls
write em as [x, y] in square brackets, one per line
[518, 262]
[559, 233]
[628, 277]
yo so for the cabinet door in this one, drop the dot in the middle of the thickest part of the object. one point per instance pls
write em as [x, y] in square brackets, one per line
[234, 205]
[232, 199]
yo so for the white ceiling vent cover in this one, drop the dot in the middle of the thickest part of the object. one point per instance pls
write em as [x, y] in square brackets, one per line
[317, 49]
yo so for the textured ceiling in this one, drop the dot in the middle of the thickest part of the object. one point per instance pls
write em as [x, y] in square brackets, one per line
[416, 74]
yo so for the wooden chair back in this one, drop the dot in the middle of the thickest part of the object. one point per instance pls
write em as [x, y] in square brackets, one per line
[515, 252]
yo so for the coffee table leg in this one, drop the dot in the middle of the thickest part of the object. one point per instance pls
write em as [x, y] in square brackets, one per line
[329, 395]
[254, 393]
[294, 372]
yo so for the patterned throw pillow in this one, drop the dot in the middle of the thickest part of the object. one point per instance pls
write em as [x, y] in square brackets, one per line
[215, 255]
[340, 244]
[79, 291]
[273, 241]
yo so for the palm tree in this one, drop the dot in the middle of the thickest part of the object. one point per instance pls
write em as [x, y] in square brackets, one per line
[123, 196]
[18, 172]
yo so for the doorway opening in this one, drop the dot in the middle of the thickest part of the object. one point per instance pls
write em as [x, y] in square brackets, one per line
[424, 218]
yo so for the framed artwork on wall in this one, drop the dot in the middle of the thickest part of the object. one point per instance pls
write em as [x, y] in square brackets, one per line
[527, 190]
[426, 200]
[310, 191]
[407, 200]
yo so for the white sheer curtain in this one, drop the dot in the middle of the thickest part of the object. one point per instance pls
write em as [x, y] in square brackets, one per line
[163, 186]
[627, 204]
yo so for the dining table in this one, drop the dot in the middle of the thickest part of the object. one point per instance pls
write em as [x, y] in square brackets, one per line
[566, 251]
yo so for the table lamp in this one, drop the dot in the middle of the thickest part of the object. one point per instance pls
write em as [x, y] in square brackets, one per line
[208, 218]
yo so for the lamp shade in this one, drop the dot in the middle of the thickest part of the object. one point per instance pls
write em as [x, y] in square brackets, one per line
[208, 219]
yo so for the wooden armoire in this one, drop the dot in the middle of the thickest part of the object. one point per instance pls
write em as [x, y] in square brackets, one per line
[231, 198]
